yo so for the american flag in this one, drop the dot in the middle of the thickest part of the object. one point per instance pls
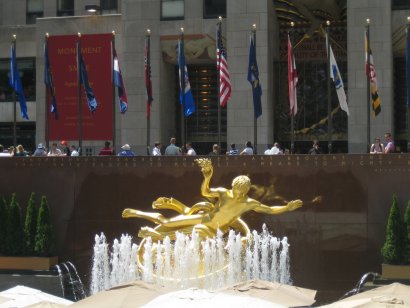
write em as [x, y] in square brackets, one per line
[222, 67]
[147, 75]
[292, 80]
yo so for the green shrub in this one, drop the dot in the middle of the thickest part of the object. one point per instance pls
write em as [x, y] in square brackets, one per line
[15, 234]
[30, 225]
[407, 231]
[3, 225]
[393, 250]
[44, 236]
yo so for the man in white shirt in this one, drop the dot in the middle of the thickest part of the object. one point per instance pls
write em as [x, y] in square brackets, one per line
[74, 151]
[190, 150]
[275, 149]
[156, 151]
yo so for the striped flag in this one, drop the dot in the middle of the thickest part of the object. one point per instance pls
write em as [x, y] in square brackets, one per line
[337, 80]
[147, 75]
[292, 80]
[222, 67]
[371, 73]
[119, 83]
[48, 81]
[15, 83]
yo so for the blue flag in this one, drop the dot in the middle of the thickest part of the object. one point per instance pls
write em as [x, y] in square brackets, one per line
[119, 83]
[48, 81]
[185, 93]
[253, 78]
[92, 102]
[15, 83]
[408, 66]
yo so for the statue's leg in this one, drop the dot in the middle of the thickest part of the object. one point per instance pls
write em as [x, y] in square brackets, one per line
[154, 217]
[182, 221]
[170, 204]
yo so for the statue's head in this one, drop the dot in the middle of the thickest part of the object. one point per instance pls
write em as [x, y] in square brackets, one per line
[242, 184]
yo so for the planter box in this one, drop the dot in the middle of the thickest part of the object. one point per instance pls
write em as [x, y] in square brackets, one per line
[28, 263]
[396, 271]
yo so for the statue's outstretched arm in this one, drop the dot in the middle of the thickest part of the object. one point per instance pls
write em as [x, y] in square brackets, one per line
[272, 210]
[207, 171]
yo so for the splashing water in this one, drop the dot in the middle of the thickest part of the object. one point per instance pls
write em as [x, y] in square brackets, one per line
[189, 262]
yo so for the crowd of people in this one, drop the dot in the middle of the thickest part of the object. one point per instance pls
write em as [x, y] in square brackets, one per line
[173, 150]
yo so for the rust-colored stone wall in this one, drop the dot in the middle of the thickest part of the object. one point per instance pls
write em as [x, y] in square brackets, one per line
[333, 243]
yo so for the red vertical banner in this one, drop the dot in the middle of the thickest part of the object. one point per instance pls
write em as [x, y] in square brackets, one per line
[96, 51]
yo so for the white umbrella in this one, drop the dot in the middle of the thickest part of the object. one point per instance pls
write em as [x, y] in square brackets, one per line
[282, 294]
[21, 296]
[130, 295]
[199, 298]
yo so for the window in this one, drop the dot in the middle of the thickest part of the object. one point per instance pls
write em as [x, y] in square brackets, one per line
[214, 8]
[172, 9]
[65, 8]
[35, 9]
[27, 70]
[109, 6]
[400, 4]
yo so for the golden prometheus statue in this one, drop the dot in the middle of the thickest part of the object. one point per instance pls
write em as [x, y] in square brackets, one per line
[206, 218]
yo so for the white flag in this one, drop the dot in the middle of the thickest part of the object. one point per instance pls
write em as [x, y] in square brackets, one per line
[337, 79]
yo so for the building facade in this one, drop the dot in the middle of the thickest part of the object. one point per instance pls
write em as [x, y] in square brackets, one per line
[29, 20]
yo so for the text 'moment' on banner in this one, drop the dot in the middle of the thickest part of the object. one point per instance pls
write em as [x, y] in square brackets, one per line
[371, 72]
[253, 78]
[48, 81]
[222, 68]
[292, 80]
[408, 65]
[89, 93]
[15, 83]
[119, 83]
[337, 80]
[96, 50]
[147, 75]
[185, 93]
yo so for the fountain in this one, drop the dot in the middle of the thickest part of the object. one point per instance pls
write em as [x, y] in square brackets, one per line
[70, 280]
[210, 264]
[206, 245]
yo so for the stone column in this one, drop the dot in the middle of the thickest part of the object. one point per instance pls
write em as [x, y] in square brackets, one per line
[379, 13]
[241, 15]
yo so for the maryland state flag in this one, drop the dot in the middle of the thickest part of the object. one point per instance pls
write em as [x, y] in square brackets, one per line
[371, 73]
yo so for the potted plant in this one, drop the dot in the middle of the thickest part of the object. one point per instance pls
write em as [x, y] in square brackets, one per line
[30, 247]
[394, 250]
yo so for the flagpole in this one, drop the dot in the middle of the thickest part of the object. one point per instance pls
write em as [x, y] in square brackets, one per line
[368, 81]
[218, 83]
[292, 115]
[80, 114]
[255, 124]
[408, 81]
[113, 92]
[182, 81]
[13, 41]
[147, 77]
[329, 98]
[47, 105]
